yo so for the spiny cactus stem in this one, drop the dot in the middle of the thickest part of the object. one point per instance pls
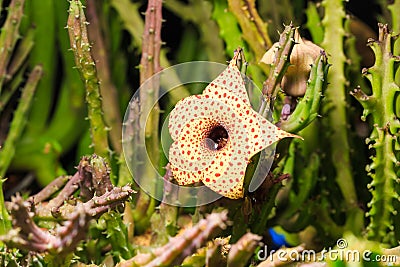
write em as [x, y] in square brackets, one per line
[149, 65]
[382, 108]
[108, 91]
[85, 64]
[278, 68]
[254, 30]
[183, 245]
[308, 107]
[70, 188]
[336, 96]
[29, 236]
[9, 36]
[49, 190]
[19, 121]
[241, 251]
[21, 53]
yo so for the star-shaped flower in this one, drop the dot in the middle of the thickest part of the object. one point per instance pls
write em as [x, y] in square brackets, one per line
[216, 133]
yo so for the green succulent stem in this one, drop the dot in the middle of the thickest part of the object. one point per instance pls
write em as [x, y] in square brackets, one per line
[229, 31]
[254, 29]
[308, 107]
[314, 23]
[333, 23]
[394, 10]
[17, 126]
[108, 90]
[19, 121]
[85, 64]
[9, 36]
[5, 222]
[21, 53]
[66, 129]
[228, 25]
[381, 105]
[117, 235]
[43, 53]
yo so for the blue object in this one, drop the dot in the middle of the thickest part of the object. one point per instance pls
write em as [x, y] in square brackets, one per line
[278, 240]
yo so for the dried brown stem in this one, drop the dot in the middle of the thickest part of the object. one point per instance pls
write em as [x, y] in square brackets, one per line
[27, 235]
[149, 65]
[95, 177]
[280, 62]
[183, 245]
[242, 250]
[92, 178]
[49, 190]
[65, 194]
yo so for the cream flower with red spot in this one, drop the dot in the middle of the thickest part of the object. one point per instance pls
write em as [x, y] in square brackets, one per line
[216, 133]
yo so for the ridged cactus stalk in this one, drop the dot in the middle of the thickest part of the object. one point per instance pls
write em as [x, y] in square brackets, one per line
[382, 107]
[337, 113]
[77, 28]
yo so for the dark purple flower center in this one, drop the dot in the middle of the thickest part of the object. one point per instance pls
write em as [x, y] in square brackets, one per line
[216, 138]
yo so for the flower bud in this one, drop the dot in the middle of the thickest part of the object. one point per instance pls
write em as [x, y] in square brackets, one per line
[304, 53]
